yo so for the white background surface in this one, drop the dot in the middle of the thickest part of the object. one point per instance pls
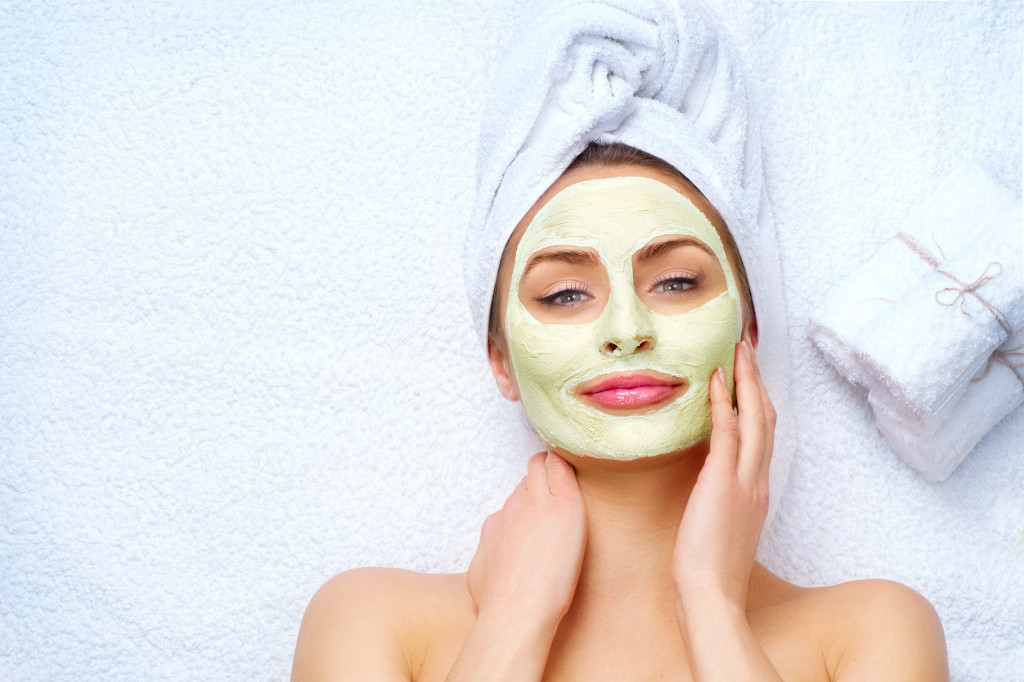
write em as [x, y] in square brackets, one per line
[235, 354]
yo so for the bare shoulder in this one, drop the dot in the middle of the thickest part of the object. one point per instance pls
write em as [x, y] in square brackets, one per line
[374, 623]
[854, 631]
[881, 630]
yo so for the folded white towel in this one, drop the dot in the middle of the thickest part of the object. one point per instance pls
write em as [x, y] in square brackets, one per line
[653, 74]
[926, 324]
[955, 215]
[936, 447]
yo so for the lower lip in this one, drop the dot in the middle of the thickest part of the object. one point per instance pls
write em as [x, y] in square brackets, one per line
[640, 396]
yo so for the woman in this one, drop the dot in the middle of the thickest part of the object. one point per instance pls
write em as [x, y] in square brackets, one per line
[611, 568]
[622, 318]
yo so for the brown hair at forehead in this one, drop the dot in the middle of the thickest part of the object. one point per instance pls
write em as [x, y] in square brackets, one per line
[617, 154]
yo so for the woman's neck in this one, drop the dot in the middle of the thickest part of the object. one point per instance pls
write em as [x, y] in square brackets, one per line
[633, 514]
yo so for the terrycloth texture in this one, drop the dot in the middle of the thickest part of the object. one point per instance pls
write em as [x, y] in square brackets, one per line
[235, 356]
[657, 75]
[936, 447]
[925, 325]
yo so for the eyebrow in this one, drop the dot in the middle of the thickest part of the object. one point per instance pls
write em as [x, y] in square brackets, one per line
[655, 250]
[572, 256]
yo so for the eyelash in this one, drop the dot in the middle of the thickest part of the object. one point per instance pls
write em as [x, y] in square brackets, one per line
[690, 280]
[567, 288]
[581, 288]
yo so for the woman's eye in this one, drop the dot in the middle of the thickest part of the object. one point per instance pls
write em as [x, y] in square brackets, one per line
[565, 298]
[681, 284]
[677, 283]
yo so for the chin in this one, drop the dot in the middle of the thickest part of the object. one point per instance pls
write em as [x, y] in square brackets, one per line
[698, 448]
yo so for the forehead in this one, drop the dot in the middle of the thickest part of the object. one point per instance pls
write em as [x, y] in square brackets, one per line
[617, 216]
[576, 175]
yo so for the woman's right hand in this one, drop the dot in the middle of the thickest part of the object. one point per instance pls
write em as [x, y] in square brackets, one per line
[528, 561]
[524, 575]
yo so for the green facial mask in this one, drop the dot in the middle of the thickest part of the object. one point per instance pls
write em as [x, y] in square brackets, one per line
[617, 217]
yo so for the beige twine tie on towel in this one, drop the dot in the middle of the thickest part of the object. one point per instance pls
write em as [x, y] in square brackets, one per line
[1003, 357]
[1013, 358]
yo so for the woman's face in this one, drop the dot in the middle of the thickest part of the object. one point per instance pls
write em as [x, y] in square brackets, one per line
[619, 305]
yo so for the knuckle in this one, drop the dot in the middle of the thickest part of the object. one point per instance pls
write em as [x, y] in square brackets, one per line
[730, 428]
[761, 421]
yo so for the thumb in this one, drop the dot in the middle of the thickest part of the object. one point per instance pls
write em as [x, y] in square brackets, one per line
[561, 475]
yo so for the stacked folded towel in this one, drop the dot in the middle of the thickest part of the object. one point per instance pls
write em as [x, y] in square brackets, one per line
[933, 324]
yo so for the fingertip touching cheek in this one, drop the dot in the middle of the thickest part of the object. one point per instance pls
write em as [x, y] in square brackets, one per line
[621, 305]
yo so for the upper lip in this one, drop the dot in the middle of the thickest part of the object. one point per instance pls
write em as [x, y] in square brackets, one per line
[627, 380]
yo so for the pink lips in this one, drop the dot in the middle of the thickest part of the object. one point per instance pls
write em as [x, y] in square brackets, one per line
[633, 390]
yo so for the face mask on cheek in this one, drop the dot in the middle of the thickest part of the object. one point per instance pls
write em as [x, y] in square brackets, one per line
[617, 217]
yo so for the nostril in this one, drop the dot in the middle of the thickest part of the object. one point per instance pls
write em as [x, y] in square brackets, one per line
[610, 348]
[645, 344]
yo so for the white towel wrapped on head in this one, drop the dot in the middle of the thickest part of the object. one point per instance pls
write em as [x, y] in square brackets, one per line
[929, 325]
[657, 75]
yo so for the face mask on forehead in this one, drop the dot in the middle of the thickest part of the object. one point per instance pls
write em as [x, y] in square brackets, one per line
[616, 217]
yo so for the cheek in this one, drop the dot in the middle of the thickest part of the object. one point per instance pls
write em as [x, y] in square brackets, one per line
[702, 339]
[548, 356]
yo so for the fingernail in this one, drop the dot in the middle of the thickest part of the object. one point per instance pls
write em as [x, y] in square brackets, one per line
[721, 375]
[746, 349]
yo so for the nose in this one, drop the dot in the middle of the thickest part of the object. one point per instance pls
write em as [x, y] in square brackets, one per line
[628, 329]
[637, 344]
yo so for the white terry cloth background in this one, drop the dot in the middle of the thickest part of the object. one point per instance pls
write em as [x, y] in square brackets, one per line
[236, 358]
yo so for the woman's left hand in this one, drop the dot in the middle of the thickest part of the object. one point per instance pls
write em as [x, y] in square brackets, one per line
[721, 526]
